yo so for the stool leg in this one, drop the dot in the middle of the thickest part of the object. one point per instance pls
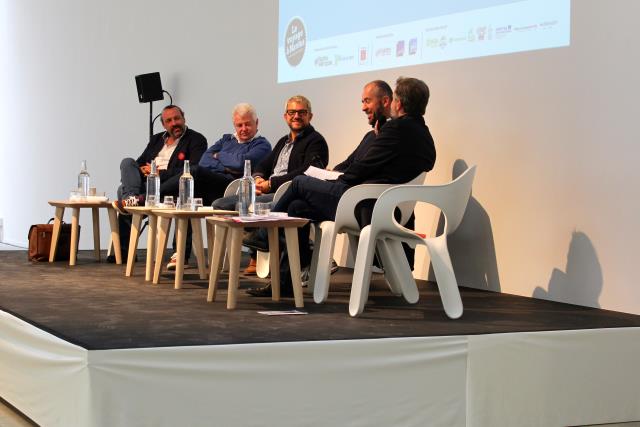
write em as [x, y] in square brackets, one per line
[181, 238]
[151, 245]
[75, 217]
[211, 235]
[274, 263]
[196, 238]
[216, 260]
[57, 223]
[234, 266]
[96, 232]
[291, 235]
[136, 220]
[163, 231]
[115, 234]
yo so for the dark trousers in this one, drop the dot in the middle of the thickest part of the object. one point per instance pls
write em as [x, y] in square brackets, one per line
[310, 198]
[133, 183]
[207, 184]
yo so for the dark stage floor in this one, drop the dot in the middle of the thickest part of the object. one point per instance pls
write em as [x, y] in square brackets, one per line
[94, 306]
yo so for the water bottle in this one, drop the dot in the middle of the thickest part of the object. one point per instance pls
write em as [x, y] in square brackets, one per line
[153, 186]
[246, 191]
[83, 180]
[185, 191]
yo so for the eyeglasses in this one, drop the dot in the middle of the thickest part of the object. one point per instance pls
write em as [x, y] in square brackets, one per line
[301, 113]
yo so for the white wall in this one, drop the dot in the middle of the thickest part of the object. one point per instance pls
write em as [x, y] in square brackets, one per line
[553, 212]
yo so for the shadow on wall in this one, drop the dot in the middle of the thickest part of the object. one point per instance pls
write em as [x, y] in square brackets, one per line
[471, 247]
[581, 283]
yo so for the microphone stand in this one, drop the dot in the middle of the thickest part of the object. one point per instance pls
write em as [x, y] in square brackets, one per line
[152, 119]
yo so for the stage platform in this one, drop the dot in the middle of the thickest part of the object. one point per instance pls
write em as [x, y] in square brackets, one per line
[85, 346]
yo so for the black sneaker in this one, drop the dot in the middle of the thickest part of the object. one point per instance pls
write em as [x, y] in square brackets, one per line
[265, 291]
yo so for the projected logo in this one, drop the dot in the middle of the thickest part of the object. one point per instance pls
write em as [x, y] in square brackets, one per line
[295, 41]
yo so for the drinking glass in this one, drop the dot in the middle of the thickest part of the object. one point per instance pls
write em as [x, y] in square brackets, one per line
[151, 200]
[263, 208]
[168, 202]
[197, 203]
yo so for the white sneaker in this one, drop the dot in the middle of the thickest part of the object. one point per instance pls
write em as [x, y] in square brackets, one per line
[172, 262]
[377, 270]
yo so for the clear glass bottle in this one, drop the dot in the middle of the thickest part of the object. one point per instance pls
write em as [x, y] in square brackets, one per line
[153, 186]
[185, 191]
[84, 180]
[246, 191]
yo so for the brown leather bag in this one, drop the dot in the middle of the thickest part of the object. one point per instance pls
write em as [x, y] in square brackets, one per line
[40, 241]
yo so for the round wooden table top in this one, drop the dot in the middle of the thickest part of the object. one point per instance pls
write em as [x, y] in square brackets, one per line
[80, 203]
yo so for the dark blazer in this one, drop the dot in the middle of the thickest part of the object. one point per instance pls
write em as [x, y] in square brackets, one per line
[190, 147]
[403, 150]
[309, 148]
[358, 153]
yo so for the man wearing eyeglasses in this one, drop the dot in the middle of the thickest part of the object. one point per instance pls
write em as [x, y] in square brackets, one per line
[302, 147]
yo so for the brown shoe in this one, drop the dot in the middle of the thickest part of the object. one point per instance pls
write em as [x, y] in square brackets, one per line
[251, 268]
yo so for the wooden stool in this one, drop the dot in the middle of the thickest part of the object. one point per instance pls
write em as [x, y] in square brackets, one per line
[182, 218]
[76, 205]
[137, 213]
[223, 224]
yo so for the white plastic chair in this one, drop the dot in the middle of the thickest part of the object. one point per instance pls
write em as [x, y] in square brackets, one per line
[385, 233]
[346, 222]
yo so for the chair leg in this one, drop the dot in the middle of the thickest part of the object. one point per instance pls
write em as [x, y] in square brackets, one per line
[362, 272]
[322, 276]
[313, 267]
[391, 273]
[445, 277]
[262, 264]
[402, 270]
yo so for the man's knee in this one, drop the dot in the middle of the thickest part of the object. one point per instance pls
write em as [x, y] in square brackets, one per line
[128, 163]
[225, 203]
[298, 208]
